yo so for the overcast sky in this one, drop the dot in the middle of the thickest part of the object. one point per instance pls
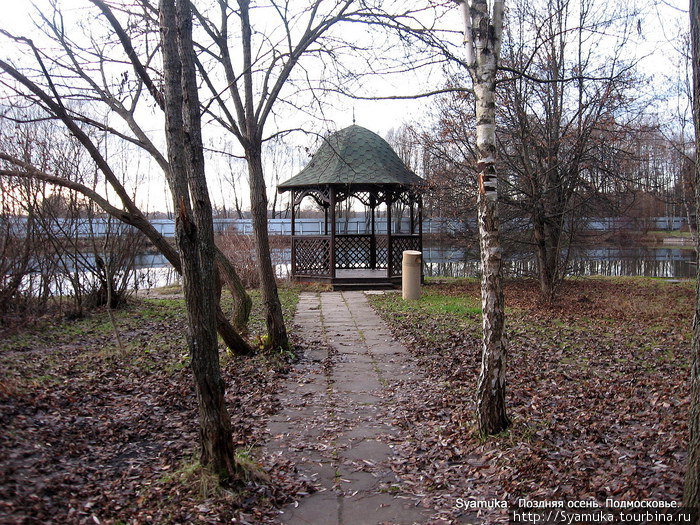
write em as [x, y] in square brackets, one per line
[657, 42]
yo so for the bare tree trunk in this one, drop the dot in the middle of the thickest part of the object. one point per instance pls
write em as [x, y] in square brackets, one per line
[276, 330]
[691, 492]
[110, 290]
[540, 238]
[491, 387]
[237, 202]
[194, 234]
[268, 283]
[242, 303]
[482, 38]
[547, 254]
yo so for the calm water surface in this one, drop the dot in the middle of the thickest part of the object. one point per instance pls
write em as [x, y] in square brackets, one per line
[454, 261]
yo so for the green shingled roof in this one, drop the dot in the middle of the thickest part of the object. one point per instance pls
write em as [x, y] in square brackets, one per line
[353, 156]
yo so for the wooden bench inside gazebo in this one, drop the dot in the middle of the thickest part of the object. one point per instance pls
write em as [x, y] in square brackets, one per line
[356, 169]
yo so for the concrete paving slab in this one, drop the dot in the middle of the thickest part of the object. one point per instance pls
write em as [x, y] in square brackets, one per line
[352, 368]
[313, 510]
[361, 433]
[368, 450]
[379, 509]
[357, 385]
[363, 357]
[357, 480]
[359, 398]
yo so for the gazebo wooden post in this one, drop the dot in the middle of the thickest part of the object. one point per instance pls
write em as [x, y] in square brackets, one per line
[373, 239]
[420, 236]
[325, 219]
[420, 219]
[412, 203]
[389, 255]
[294, 252]
[293, 206]
[332, 244]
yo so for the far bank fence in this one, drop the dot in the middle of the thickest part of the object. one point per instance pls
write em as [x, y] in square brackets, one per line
[100, 226]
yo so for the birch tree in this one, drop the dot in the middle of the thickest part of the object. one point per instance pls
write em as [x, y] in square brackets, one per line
[691, 493]
[483, 28]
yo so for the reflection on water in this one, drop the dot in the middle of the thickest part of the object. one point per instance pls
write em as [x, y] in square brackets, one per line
[676, 263]
[155, 277]
[153, 270]
[453, 261]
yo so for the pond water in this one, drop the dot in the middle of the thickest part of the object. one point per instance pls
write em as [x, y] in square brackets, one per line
[615, 261]
[454, 261]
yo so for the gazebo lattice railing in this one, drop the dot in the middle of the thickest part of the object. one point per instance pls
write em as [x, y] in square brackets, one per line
[320, 256]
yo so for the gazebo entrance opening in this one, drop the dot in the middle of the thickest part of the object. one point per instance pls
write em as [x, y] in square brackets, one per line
[364, 233]
[371, 211]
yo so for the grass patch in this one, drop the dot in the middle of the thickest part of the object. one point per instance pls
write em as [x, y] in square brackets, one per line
[289, 297]
[153, 332]
[432, 302]
[637, 280]
[198, 479]
[169, 289]
[674, 233]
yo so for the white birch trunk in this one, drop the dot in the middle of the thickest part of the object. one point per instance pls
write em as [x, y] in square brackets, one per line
[482, 37]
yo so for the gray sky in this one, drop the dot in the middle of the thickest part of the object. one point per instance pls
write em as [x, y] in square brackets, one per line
[656, 46]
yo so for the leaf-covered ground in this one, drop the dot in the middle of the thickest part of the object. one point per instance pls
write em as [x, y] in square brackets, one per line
[93, 434]
[597, 390]
[597, 393]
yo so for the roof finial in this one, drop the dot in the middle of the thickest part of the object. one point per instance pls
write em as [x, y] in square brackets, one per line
[353, 115]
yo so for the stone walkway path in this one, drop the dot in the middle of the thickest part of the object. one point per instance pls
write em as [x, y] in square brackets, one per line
[335, 424]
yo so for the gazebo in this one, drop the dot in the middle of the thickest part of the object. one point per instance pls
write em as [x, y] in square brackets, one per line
[353, 168]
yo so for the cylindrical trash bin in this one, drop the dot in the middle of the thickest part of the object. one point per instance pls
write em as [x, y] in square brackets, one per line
[410, 274]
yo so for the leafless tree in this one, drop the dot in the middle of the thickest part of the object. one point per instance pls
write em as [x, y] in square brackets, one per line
[571, 137]
[482, 38]
[18, 247]
[252, 77]
[691, 493]
[73, 263]
[64, 86]
[195, 233]
[560, 129]
[255, 72]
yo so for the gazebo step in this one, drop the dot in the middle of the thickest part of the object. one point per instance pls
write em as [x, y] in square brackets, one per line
[359, 285]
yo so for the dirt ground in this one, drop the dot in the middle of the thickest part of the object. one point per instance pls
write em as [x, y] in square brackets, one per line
[597, 391]
[96, 434]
